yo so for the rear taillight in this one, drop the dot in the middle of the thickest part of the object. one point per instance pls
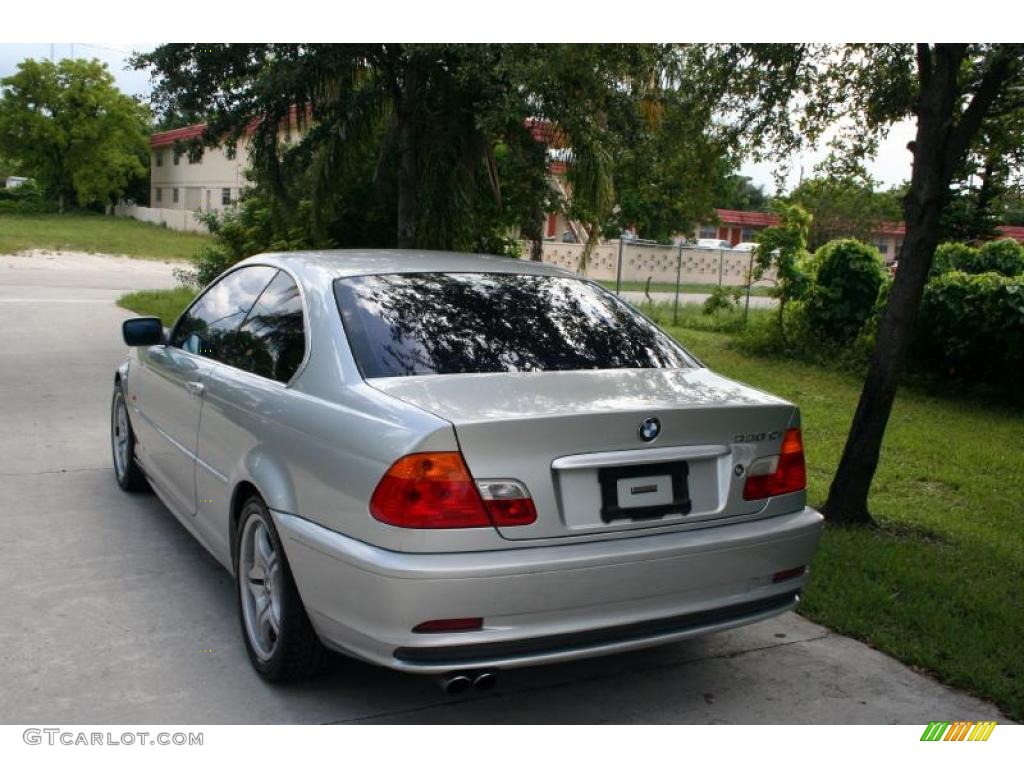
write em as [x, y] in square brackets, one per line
[435, 490]
[429, 490]
[776, 475]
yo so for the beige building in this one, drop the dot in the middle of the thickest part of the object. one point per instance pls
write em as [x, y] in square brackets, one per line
[207, 183]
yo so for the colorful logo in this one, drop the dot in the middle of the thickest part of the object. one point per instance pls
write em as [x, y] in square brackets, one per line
[959, 730]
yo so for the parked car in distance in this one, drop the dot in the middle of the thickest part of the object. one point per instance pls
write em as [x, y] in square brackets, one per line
[451, 464]
[746, 247]
[705, 243]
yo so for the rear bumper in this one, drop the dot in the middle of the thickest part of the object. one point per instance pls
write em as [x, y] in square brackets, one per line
[544, 604]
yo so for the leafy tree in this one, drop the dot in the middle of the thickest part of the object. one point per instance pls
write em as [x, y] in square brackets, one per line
[70, 128]
[736, 192]
[434, 127]
[777, 97]
[784, 247]
[439, 142]
[842, 207]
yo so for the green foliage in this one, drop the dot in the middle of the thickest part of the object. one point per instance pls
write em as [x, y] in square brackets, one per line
[241, 231]
[68, 127]
[950, 256]
[1004, 256]
[844, 206]
[433, 145]
[847, 277]
[733, 191]
[972, 327]
[723, 298]
[24, 198]
[784, 247]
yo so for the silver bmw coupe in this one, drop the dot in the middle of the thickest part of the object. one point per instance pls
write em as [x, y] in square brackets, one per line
[451, 464]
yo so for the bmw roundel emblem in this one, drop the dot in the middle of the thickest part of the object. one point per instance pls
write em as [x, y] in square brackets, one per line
[649, 429]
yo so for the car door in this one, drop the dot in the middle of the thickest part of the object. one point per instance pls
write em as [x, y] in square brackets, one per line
[174, 378]
[245, 400]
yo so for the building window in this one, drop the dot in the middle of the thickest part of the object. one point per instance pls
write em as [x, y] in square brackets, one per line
[159, 158]
[175, 194]
[225, 196]
[159, 194]
[709, 233]
[883, 247]
[746, 235]
[177, 158]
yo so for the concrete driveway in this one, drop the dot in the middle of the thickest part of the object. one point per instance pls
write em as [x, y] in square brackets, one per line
[111, 613]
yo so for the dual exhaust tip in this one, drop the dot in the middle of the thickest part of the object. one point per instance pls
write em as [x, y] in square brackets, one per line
[459, 683]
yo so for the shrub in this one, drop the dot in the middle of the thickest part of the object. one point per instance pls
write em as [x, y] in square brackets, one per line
[27, 197]
[950, 256]
[239, 232]
[1004, 256]
[722, 298]
[972, 326]
[847, 278]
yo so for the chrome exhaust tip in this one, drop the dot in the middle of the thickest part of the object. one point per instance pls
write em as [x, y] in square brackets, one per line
[456, 683]
[485, 681]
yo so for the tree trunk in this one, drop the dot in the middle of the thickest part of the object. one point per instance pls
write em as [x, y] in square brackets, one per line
[533, 230]
[408, 166]
[60, 202]
[847, 502]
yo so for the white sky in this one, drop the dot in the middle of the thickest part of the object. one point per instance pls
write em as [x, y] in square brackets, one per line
[891, 167]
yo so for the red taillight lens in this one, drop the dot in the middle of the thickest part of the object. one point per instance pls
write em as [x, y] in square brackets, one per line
[429, 490]
[507, 502]
[449, 625]
[776, 475]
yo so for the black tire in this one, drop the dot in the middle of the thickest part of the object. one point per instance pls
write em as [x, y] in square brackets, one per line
[128, 473]
[297, 652]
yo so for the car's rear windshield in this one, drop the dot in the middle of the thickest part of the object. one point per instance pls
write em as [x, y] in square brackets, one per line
[442, 323]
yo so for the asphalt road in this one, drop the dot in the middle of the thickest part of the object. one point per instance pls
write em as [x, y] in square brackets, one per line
[112, 613]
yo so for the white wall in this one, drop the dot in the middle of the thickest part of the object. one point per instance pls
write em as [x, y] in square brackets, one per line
[178, 219]
[657, 262]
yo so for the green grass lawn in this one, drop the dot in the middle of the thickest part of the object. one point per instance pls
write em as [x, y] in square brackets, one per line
[166, 305]
[93, 233]
[639, 285]
[939, 584]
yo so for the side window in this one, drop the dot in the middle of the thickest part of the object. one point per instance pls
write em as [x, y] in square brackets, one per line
[207, 327]
[272, 341]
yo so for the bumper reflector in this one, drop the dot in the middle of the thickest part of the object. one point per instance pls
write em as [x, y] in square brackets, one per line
[449, 625]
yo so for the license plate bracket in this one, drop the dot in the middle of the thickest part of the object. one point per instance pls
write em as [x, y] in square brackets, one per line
[610, 477]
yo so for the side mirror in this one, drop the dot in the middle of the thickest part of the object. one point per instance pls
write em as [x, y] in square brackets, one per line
[143, 331]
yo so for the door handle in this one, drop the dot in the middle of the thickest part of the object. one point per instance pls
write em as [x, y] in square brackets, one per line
[195, 387]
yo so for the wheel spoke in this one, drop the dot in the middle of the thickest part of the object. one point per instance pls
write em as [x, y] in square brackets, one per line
[265, 624]
[264, 550]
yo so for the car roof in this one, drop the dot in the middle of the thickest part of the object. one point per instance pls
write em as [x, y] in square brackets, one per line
[314, 266]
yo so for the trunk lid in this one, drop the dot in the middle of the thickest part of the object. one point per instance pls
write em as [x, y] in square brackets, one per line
[573, 438]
